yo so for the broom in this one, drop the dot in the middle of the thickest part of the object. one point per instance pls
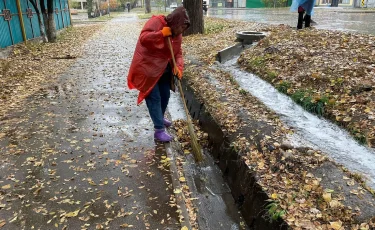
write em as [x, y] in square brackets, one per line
[197, 150]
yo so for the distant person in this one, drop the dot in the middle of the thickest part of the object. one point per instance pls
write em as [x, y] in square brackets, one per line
[128, 6]
[334, 3]
[152, 68]
[305, 10]
[205, 6]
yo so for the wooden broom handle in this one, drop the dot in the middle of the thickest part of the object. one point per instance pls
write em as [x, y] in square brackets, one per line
[179, 82]
[172, 53]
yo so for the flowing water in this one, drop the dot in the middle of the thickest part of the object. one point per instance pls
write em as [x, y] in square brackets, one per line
[310, 130]
[217, 208]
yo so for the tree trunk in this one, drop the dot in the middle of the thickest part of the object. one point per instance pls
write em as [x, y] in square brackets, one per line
[51, 32]
[89, 8]
[148, 6]
[42, 28]
[195, 12]
[45, 15]
[40, 21]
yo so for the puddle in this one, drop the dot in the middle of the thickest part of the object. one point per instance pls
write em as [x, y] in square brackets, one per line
[318, 133]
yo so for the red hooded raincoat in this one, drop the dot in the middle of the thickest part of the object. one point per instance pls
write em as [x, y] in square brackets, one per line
[151, 57]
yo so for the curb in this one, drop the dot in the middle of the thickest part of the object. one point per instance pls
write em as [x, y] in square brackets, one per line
[180, 198]
[358, 12]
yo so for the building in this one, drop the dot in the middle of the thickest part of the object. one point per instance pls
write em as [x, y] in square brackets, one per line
[19, 21]
[247, 3]
[82, 4]
[368, 4]
[285, 3]
[353, 3]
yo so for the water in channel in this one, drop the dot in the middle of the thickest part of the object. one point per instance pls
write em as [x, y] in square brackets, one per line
[309, 129]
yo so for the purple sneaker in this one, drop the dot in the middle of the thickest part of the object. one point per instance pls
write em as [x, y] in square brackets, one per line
[166, 122]
[162, 135]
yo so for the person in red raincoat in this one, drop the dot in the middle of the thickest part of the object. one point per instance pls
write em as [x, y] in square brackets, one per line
[152, 68]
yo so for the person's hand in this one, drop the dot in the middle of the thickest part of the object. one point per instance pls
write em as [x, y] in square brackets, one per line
[177, 72]
[166, 31]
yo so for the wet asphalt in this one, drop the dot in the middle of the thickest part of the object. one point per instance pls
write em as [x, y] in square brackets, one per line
[80, 154]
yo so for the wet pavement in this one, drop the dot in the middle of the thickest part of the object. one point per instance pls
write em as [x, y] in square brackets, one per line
[81, 154]
[325, 17]
[80, 16]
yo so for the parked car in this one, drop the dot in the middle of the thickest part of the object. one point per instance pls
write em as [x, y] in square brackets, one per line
[173, 5]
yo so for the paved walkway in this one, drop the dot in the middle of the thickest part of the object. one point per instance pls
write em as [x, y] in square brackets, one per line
[81, 154]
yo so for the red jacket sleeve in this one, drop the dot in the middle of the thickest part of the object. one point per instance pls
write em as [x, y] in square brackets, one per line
[151, 36]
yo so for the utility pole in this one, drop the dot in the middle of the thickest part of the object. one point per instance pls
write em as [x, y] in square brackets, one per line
[165, 5]
[21, 21]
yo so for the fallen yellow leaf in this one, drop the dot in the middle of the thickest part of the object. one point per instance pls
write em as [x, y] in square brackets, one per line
[72, 214]
[335, 204]
[261, 164]
[336, 225]
[6, 186]
[327, 197]
[177, 191]
[126, 226]
[2, 223]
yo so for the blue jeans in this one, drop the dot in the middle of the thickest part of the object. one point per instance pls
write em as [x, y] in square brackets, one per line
[158, 99]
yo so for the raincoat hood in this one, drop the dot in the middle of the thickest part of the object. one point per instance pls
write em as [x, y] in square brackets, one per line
[177, 18]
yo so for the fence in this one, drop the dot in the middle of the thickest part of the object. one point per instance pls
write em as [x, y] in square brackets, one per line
[14, 13]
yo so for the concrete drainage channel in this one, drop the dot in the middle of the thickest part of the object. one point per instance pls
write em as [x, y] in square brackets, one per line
[228, 196]
[248, 195]
[244, 40]
[211, 194]
[242, 181]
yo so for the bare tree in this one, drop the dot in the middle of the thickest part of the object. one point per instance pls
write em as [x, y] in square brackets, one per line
[195, 12]
[49, 14]
[148, 6]
[48, 22]
[40, 21]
